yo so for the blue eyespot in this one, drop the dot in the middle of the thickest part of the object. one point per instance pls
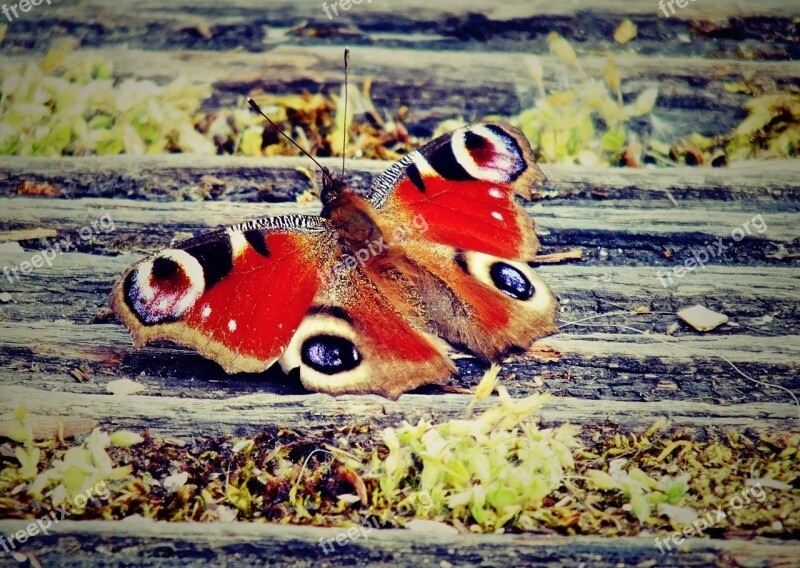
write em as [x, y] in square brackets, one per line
[330, 354]
[511, 281]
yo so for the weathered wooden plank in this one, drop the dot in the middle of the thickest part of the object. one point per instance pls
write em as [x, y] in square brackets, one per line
[607, 234]
[322, 64]
[578, 363]
[248, 414]
[142, 542]
[278, 179]
[710, 28]
[692, 95]
[77, 285]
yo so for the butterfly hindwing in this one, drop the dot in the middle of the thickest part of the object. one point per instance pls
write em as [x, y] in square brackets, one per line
[466, 270]
[476, 302]
[355, 340]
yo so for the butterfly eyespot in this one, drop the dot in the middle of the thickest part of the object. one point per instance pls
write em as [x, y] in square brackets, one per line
[330, 354]
[511, 281]
[164, 288]
[164, 269]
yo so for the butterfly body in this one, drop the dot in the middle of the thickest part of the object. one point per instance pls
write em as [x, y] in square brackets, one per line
[365, 297]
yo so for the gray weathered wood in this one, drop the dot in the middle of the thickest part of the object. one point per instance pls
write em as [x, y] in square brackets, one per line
[77, 285]
[559, 224]
[146, 543]
[248, 414]
[461, 84]
[775, 182]
[586, 364]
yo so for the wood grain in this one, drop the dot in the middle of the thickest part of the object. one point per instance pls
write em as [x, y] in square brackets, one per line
[144, 543]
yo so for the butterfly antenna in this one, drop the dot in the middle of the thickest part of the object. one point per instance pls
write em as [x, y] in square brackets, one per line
[344, 128]
[255, 106]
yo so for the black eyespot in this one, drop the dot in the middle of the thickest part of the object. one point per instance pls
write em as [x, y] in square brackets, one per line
[511, 281]
[330, 354]
[164, 268]
[474, 141]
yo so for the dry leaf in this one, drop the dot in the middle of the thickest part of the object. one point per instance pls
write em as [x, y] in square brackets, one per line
[355, 481]
[543, 353]
[33, 188]
[173, 483]
[625, 32]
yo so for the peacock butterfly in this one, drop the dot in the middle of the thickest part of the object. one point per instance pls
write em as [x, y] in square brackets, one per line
[364, 297]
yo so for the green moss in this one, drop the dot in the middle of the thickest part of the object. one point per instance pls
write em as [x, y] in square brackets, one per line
[498, 472]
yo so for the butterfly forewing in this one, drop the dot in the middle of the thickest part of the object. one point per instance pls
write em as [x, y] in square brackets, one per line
[236, 295]
[463, 185]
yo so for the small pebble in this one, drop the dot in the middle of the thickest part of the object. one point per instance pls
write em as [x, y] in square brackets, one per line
[5, 297]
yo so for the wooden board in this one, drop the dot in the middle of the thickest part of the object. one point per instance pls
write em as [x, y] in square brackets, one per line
[143, 543]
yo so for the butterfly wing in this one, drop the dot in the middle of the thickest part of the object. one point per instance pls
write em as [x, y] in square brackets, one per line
[464, 242]
[356, 341]
[463, 185]
[252, 294]
[236, 295]
[475, 301]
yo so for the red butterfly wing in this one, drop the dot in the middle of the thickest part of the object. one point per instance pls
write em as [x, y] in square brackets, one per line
[236, 295]
[276, 289]
[461, 187]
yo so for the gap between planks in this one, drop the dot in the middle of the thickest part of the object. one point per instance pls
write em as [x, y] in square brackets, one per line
[322, 64]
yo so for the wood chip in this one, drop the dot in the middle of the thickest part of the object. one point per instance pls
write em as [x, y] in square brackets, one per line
[80, 375]
[124, 387]
[27, 234]
[557, 257]
[701, 318]
[47, 427]
[454, 389]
